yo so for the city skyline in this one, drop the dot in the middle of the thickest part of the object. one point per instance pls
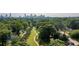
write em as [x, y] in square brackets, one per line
[38, 14]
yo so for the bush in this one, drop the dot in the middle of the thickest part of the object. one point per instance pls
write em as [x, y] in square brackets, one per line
[74, 34]
[15, 41]
[57, 42]
[63, 37]
[56, 35]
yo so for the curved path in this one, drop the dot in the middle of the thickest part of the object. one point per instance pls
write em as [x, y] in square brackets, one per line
[75, 42]
[36, 38]
[32, 38]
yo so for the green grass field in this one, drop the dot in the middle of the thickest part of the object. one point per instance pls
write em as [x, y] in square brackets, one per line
[30, 40]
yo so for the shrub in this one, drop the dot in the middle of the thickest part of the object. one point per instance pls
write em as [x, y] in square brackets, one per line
[63, 37]
[74, 34]
[56, 35]
[57, 42]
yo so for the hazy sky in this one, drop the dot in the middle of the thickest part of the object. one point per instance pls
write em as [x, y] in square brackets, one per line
[46, 14]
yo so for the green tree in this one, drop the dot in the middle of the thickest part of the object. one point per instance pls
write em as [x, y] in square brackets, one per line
[45, 33]
[5, 34]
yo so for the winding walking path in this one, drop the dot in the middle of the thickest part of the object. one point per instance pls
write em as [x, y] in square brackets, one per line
[32, 38]
[75, 42]
[36, 38]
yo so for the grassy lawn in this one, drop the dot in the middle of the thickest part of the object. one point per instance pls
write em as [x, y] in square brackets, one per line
[30, 40]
